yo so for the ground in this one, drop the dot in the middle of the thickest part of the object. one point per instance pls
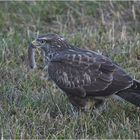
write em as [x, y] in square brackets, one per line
[34, 109]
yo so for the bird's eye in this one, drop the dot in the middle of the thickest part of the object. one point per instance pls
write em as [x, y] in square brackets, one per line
[42, 41]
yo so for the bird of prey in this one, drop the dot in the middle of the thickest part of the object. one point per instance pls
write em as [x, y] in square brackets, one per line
[83, 75]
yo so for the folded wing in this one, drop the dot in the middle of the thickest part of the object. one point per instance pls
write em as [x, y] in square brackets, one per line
[88, 71]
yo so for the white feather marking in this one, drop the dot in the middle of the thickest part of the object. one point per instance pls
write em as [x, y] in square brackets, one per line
[77, 81]
[83, 82]
[73, 57]
[87, 78]
[80, 58]
[58, 46]
[87, 58]
[43, 38]
[65, 79]
[72, 50]
[89, 53]
[73, 85]
[62, 38]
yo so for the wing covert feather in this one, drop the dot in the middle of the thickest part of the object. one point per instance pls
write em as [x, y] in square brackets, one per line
[79, 70]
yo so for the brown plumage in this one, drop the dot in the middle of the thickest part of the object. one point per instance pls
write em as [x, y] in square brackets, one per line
[85, 76]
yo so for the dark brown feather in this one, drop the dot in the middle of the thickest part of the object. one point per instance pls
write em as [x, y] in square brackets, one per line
[92, 72]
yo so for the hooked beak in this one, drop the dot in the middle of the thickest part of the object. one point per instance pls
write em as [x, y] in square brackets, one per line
[35, 44]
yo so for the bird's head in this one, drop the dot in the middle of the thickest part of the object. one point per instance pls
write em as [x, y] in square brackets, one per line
[51, 43]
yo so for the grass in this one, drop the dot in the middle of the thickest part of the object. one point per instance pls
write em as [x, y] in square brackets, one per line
[31, 108]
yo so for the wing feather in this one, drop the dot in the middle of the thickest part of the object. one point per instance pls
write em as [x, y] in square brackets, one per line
[81, 70]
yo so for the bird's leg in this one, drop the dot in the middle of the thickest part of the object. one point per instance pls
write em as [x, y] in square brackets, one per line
[87, 105]
[99, 107]
[77, 105]
[99, 103]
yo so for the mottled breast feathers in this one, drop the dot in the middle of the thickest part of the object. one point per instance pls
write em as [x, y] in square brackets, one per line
[74, 69]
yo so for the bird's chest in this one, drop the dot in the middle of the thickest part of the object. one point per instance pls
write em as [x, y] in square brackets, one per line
[59, 73]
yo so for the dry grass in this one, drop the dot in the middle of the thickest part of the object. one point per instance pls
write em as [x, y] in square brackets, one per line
[34, 109]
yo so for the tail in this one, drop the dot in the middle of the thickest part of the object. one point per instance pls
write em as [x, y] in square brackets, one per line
[131, 94]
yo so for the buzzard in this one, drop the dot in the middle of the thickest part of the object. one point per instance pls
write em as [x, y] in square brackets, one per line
[86, 77]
